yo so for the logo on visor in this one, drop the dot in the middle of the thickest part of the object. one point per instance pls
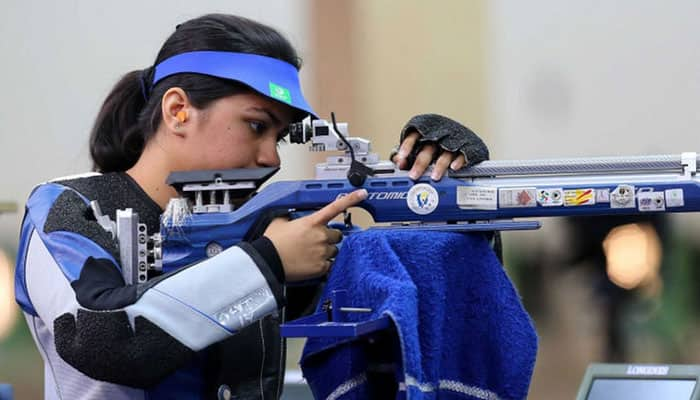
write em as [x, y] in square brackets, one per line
[280, 93]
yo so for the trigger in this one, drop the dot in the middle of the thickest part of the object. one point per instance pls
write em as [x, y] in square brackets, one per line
[347, 219]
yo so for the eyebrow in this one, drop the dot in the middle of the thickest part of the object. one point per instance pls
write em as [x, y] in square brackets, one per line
[269, 113]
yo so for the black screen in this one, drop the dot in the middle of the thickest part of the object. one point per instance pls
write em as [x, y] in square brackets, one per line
[641, 389]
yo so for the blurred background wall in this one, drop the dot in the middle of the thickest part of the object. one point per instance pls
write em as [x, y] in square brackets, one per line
[536, 79]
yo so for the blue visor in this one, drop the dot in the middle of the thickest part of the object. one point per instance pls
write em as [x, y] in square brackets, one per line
[269, 76]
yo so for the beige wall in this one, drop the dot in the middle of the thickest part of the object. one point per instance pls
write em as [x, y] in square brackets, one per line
[394, 59]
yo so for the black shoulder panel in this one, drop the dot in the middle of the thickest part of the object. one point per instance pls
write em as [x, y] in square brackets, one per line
[117, 191]
[70, 213]
[103, 346]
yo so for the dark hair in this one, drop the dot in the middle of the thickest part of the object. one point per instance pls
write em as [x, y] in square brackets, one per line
[127, 120]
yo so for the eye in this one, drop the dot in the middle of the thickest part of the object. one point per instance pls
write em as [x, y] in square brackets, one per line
[258, 127]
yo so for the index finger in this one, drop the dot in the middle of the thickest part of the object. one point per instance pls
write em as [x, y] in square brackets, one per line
[327, 213]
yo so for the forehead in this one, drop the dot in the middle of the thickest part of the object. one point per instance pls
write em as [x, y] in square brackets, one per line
[253, 102]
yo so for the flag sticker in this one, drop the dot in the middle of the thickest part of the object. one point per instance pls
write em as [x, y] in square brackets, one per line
[579, 197]
[280, 93]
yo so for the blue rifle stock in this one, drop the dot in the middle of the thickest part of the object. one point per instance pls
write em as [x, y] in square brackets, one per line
[187, 243]
[464, 201]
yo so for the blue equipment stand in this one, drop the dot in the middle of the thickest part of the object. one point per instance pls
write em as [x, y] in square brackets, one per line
[331, 322]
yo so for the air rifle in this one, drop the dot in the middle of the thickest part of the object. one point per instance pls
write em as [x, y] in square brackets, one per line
[491, 196]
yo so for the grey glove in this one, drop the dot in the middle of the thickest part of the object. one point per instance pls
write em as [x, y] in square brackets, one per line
[448, 134]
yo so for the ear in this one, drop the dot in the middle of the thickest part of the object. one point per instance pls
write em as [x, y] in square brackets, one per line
[176, 109]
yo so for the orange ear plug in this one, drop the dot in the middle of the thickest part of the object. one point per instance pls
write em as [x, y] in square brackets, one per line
[181, 116]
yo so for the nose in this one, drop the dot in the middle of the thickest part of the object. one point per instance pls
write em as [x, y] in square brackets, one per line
[268, 156]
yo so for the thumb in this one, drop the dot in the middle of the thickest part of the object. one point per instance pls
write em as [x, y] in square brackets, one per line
[327, 213]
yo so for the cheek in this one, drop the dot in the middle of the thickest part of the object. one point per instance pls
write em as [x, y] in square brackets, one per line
[229, 147]
[236, 137]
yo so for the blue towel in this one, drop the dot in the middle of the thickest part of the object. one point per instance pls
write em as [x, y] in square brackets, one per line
[461, 331]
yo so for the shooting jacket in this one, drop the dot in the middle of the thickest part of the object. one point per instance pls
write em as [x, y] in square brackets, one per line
[199, 332]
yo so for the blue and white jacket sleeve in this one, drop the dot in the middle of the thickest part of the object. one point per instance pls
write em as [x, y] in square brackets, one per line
[68, 276]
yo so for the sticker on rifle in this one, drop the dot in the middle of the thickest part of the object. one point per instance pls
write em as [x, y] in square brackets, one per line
[550, 197]
[422, 199]
[517, 197]
[579, 197]
[674, 198]
[649, 200]
[477, 198]
[622, 197]
[602, 195]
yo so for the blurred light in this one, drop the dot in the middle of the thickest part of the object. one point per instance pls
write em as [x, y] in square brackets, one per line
[633, 254]
[8, 309]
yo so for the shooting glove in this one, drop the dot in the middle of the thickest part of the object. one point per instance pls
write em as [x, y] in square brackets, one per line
[454, 137]
[448, 134]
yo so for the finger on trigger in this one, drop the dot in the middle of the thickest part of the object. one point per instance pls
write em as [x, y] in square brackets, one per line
[330, 211]
[441, 166]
